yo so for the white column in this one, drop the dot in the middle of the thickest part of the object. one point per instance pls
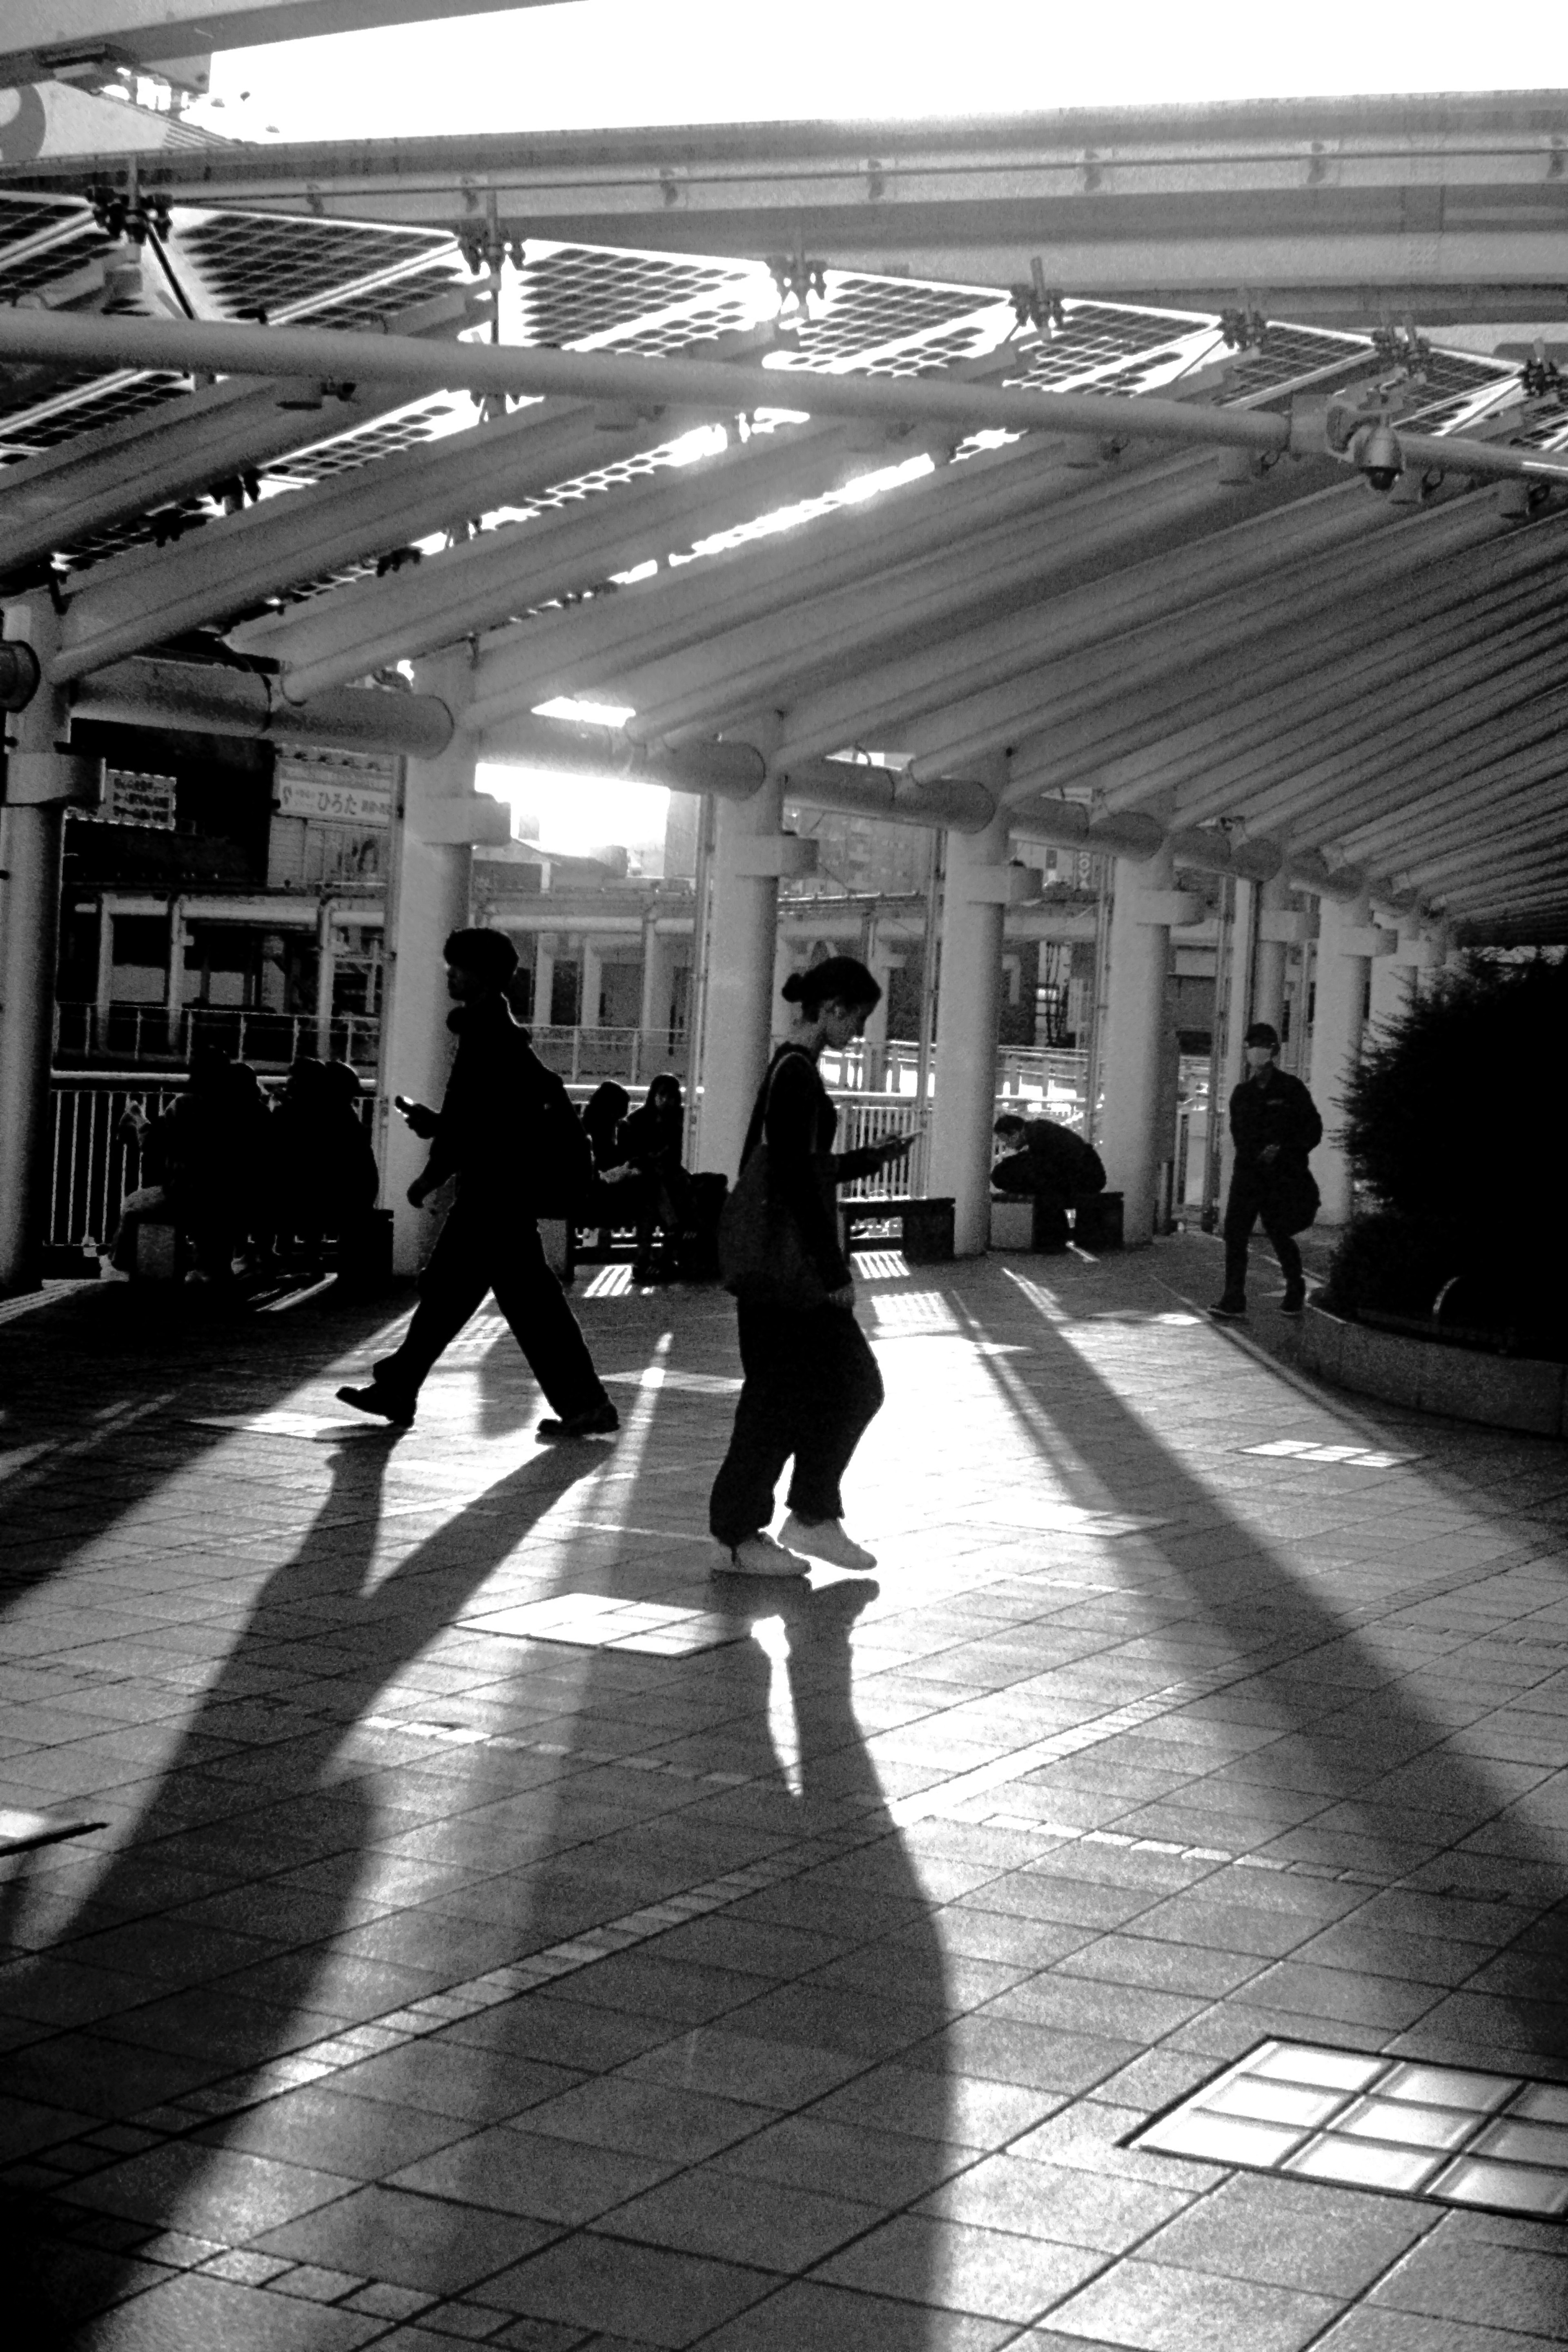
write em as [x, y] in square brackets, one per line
[1132, 1143]
[326, 975]
[592, 989]
[789, 955]
[175, 974]
[1346, 946]
[658, 990]
[437, 819]
[977, 887]
[883, 966]
[543, 978]
[43, 778]
[1390, 990]
[1275, 934]
[1231, 1061]
[741, 940]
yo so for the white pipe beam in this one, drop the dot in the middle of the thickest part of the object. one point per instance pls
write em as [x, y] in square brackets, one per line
[473, 587]
[1272, 790]
[153, 593]
[647, 622]
[1156, 588]
[1263, 738]
[1088, 535]
[205, 697]
[354, 355]
[1077, 695]
[1269, 691]
[141, 462]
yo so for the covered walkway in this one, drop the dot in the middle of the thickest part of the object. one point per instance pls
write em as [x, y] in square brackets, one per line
[488, 1939]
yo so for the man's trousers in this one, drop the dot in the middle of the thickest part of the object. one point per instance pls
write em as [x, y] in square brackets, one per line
[482, 1248]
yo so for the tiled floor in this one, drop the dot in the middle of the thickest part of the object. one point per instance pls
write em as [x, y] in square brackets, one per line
[506, 1932]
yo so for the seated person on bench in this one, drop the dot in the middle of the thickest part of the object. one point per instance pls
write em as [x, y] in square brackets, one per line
[651, 1142]
[1043, 1157]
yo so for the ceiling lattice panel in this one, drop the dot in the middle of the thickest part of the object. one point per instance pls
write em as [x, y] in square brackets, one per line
[574, 294]
[254, 261]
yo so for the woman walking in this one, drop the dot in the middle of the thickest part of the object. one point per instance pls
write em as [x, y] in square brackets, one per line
[811, 1381]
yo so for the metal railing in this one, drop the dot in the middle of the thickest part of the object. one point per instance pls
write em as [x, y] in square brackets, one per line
[128, 1036]
[93, 1165]
[630, 1057]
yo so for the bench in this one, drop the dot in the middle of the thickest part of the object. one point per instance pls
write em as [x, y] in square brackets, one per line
[1020, 1221]
[925, 1227]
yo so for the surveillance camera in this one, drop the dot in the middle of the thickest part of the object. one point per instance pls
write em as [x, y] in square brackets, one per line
[1378, 455]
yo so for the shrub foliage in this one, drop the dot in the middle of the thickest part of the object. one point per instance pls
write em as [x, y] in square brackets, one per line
[1453, 1122]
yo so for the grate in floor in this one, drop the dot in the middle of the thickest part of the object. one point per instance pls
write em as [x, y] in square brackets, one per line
[1357, 1457]
[594, 1621]
[1306, 2111]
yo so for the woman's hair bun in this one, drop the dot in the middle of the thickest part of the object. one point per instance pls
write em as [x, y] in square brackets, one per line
[793, 989]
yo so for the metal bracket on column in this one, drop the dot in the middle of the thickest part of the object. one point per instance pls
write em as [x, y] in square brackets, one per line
[1173, 909]
[784, 857]
[53, 778]
[1368, 939]
[473, 821]
[1282, 928]
[1002, 886]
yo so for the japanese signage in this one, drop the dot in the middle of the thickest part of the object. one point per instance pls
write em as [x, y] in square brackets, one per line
[132, 797]
[332, 799]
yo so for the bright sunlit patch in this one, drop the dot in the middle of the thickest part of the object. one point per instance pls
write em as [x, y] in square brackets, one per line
[609, 1282]
[586, 714]
[886, 478]
[704, 441]
[772, 1636]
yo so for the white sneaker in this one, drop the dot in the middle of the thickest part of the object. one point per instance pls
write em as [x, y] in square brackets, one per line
[758, 1555]
[827, 1541]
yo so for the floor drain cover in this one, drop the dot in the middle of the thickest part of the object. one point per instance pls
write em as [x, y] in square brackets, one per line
[1308, 2112]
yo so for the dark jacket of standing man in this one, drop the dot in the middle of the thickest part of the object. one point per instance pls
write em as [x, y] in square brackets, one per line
[506, 1130]
[1274, 1124]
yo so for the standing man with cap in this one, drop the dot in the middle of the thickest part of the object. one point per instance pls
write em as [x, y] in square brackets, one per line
[1273, 1123]
[507, 1131]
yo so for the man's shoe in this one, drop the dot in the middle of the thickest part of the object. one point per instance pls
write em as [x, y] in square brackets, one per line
[1295, 1298]
[1229, 1309]
[758, 1555]
[825, 1540]
[398, 1411]
[600, 1421]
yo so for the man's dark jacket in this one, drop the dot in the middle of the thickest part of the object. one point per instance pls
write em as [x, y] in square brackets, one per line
[1051, 1160]
[506, 1125]
[1281, 1112]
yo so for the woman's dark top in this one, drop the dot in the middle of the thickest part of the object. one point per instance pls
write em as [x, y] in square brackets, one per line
[797, 1118]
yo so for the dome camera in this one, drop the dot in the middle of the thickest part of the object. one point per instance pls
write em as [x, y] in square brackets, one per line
[1379, 457]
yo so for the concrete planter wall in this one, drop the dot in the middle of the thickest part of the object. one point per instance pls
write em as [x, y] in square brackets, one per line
[1504, 1392]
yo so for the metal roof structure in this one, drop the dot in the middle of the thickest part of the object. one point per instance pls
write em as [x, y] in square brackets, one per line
[1342, 211]
[823, 495]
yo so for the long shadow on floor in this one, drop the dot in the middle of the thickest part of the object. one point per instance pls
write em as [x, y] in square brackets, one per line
[255, 1810]
[1314, 1718]
[660, 2174]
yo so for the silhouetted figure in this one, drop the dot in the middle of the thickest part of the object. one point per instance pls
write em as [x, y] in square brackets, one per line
[507, 1131]
[811, 1381]
[1046, 1160]
[217, 1143]
[651, 1141]
[325, 1169]
[602, 1115]
[1274, 1124]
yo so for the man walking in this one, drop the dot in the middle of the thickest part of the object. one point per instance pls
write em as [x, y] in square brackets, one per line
[507, 1131]
[1273, 1123]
